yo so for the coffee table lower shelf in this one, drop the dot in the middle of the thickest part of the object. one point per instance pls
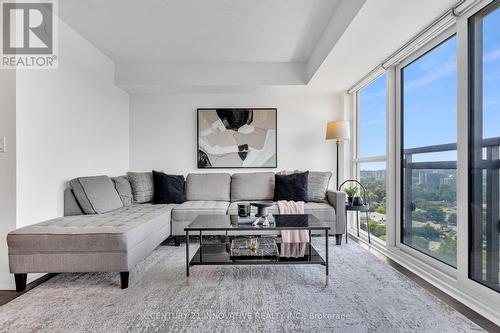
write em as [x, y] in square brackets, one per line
[217, 254]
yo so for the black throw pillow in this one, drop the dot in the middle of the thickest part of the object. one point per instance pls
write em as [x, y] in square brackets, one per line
[168, 189]
[291, 187]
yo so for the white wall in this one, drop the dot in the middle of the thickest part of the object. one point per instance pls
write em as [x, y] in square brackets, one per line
[71, 122]
[163, 128]
[7, 165]
[60, 124]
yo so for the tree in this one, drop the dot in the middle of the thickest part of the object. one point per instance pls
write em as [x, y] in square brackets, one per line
[427, 232]
[377, 229]
[418, 216]
[370, 196]
[380, 209]
[420, 242]
[435, 214]
[452, 219]
[448, 249]
[375, 189]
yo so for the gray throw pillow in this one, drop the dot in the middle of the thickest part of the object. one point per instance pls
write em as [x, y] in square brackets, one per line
[96, 195]
[142, 186]
[122, 186]
[317, 185]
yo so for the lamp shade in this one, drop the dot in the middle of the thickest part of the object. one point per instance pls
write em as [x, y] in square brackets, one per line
[338, 130]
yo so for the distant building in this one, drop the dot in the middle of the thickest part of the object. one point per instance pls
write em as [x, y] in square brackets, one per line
[434, 177]
[450, 180]
[373, 174]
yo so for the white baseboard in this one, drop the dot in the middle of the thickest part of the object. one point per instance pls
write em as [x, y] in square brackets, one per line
[7, 280]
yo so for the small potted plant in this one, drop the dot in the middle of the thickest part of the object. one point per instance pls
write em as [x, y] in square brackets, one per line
[351, 192]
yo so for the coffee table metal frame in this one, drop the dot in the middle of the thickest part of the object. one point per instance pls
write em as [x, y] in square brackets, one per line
[213, 254]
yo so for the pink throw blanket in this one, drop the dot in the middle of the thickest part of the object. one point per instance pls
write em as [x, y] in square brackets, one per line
[293, 236]
[293, 250]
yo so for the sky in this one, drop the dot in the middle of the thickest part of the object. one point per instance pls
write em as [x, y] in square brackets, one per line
[491, 78]
[430, 99]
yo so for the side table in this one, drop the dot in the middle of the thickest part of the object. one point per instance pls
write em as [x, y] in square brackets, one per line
[357, 209]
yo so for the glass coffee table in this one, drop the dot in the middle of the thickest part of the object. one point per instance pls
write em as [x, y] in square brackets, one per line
[220, 253]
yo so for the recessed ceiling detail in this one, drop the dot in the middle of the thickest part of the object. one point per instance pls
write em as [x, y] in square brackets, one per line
[196, 43]
[201, 30]
[219, 45]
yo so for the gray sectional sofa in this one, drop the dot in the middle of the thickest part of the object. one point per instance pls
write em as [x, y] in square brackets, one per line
[102, 234]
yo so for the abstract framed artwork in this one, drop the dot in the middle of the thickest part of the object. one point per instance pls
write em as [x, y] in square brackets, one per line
[237, 138]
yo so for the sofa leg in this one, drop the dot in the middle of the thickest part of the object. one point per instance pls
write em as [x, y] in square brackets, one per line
[20, 281]
[338, 239]
[124, 279]
[177, 240]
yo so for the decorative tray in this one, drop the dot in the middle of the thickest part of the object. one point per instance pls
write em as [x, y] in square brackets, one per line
[251, 219]
[251, 248]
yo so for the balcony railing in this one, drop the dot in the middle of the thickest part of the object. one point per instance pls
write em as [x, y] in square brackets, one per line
[485, 225]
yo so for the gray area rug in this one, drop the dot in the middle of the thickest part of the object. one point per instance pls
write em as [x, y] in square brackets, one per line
[364, 295]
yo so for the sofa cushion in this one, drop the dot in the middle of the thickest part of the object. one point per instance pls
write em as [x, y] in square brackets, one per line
[317, 185]
[96, 195]
[208, 186]
[252, 186]
[142, 186]
[122, 186]
[321, 210]
[119, 230]
[291, 187]
[189, 210]
[168, 188]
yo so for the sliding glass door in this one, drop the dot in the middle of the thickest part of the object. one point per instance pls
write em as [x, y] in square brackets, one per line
[429, 152]
[484, 143]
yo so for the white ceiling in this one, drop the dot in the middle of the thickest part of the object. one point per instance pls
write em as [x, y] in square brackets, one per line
[201, 30]
[242, 45]
[380, 28]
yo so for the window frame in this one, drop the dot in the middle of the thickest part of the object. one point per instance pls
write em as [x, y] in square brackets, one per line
[417, 54]
[475, 102]
[455, 282]
[356, 159]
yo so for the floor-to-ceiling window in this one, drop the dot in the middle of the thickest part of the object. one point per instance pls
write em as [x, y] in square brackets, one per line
[370, 164]
[428, 152]
[441, 208]
[484, 146]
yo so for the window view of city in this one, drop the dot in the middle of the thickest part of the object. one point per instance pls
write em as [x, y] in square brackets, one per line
[435, 219]
[374, 182]
[434, 214]
[372, 143]
[428, 187]
[429, 209]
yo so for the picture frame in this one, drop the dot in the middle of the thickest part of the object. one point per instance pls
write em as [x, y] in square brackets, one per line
[236, 138]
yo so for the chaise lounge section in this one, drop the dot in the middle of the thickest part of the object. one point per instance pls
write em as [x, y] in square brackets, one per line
[111, 242]
[97, 236]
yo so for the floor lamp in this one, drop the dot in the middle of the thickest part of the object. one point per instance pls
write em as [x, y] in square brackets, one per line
[338, 131]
